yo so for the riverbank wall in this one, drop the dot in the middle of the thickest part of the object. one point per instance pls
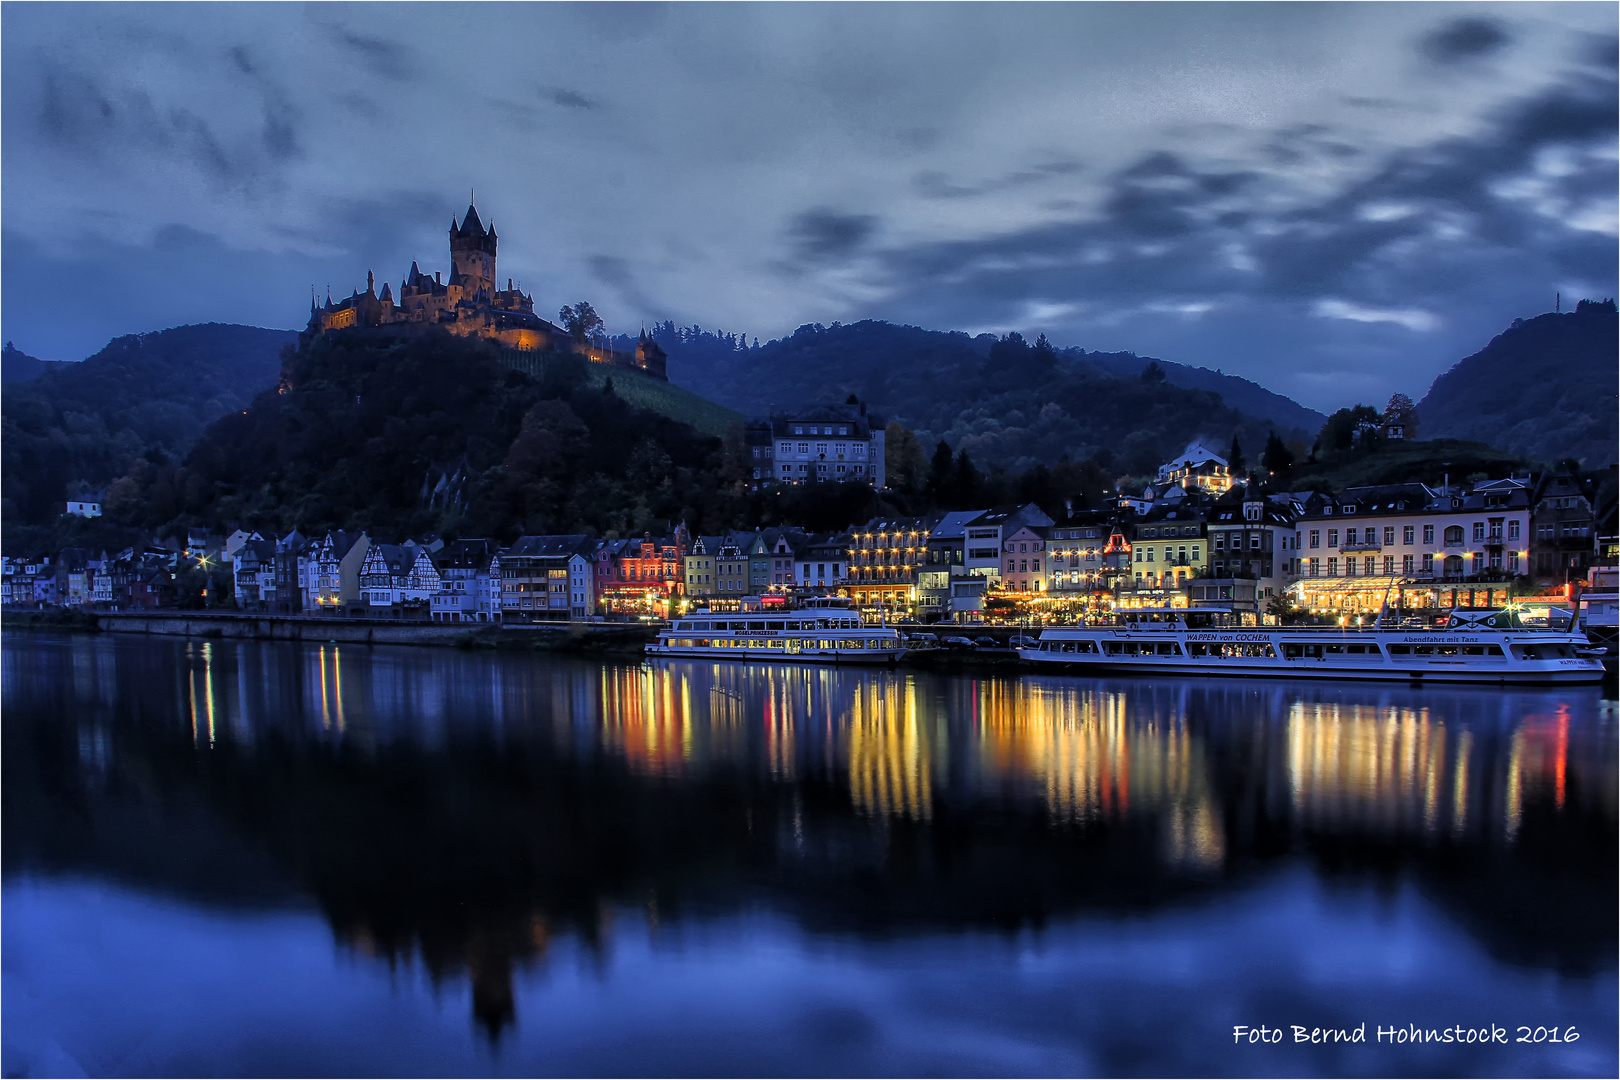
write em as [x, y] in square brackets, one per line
[563, 637]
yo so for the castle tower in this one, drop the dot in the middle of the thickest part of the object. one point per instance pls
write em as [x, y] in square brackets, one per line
[472, 257]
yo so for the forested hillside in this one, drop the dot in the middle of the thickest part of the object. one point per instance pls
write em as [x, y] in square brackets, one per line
[17, 366]
[1003, 400]
[432, 434]
[1546, 388]
[143, 396]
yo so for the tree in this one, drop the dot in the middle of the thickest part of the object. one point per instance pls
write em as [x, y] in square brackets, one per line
[967, 481]
[1339, 433]
[580, 320]
[940, 478]
[1153, 373]
[1401, 410]
[903, 462]
[1276, 458]
[1234, 459]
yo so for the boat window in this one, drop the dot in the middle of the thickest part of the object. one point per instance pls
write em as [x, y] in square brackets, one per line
[1447, 650]
[1400, 650]
[1169, 648]
[1296, 650]
[774, 626]
[1482, 650]
[1423, 650]
[756, 626]
[1333, 650]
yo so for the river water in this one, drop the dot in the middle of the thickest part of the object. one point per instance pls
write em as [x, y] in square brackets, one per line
[227, 858]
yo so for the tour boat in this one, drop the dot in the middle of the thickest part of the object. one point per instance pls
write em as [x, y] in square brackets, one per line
[823, 629]
[1473, 647]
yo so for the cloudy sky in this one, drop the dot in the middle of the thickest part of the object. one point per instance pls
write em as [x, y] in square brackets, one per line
[1337, 200]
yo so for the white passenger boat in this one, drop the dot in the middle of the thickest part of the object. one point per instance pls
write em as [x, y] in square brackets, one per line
[1474, 647]
[821, 630]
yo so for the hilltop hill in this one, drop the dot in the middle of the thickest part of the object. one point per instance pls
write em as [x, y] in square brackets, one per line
[437, 434]
[1240, 393]
[1003, 400]
[145, 395]
[646, 392]
[1546, 388]
[17, 366]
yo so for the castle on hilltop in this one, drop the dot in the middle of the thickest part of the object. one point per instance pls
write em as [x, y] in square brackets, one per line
[470, 304]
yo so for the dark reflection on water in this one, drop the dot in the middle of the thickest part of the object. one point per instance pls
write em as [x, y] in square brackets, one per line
[1179, 856]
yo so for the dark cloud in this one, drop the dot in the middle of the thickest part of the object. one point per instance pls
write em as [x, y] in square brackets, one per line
[822, 235]
[389, 59]
[615, 271]
[280, 139]
[1428, 248]
[631, 20]
[568, 99]
[1465, 39]
[938, 185]
[239, 57]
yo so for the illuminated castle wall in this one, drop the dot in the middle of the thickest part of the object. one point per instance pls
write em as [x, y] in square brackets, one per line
[470, 304]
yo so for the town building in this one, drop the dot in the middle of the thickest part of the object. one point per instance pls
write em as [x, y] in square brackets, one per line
[1024, 555]
[823, 563]
[945, 588]
[291, 572]
[1078, 562]
[469, 304]
[548, 578]
[1197, 467]
[699, 570]
[1168, 548]
[468, 588]
[986, 536]
[824, 443]
[1249, 553]
[85, 506]
[399, 578]
[731, 575]
[333, 581]
[641, 577]
[1564, 526]
[253, 575]
[1412, 545]
[884, 555]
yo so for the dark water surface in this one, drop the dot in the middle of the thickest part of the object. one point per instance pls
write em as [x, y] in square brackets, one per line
[256, 858]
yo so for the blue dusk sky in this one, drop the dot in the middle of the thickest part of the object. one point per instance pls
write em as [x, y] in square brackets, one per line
[1336, 200]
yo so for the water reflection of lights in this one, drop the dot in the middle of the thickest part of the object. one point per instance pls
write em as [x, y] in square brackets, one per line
[1096, 753]
[202, 718]
[890, 758]
[1403, 770]
[1369, 765]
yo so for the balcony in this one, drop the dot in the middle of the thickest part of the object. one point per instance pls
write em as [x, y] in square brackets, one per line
[1370, 546]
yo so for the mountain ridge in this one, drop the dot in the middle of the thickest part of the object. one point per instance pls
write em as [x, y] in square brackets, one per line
[1547, 387]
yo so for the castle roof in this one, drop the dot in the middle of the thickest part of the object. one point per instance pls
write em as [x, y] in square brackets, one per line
[470, 224]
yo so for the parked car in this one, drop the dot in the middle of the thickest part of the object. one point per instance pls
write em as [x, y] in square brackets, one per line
[1019, 641]
[921, 641]
[957, 643]
[987, 642]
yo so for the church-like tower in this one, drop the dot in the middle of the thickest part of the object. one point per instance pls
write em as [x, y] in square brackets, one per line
[472, 257]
